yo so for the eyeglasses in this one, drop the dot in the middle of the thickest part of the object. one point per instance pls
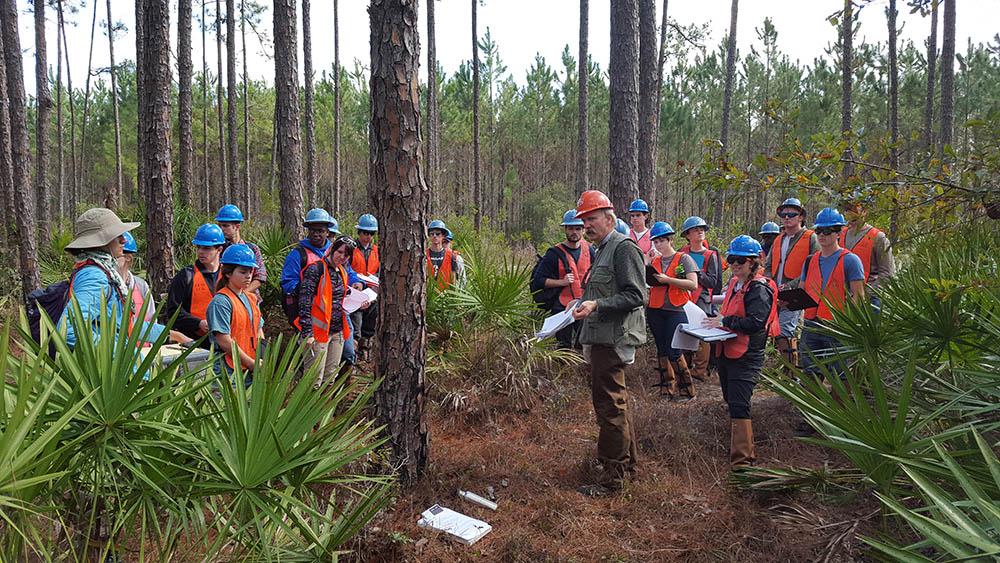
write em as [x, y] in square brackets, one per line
[435, 234]
[369, 233]
[828, 230]
[737, 259]
[788, 214]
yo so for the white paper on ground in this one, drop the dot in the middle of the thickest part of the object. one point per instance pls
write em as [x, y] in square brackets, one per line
[463, 528]
[558, 321]
[369, 279]
[355, 299]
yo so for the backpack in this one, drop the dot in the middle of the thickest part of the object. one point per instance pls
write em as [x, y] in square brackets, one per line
[290, 301]
[52, 300]
[545, 296]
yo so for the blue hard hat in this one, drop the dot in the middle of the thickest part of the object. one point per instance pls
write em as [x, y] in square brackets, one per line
[448, 235]
[367, 222]
[770, 228]
[660, 229]
[570, 220]
[791, 202]
[230, 214]
[744, 245]
[692, 222]
[334, 226]
[239, 254]
[622, 227]
[437, 224]
[829, 217]
[209, 234]
[317, 215]
[129, 243]
[638, 205]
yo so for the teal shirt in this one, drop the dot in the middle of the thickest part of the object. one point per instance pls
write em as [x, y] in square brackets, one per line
[220, 314]
[89, 284]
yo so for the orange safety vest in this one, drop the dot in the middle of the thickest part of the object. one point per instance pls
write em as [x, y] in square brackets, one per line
[321, 306]
[243, 326]
[678, 297]
[442, 274]
[709, 251]
[137, 300]
[361, 265]
[796, 256]
[644, 242]
[863, 248]
[578, 268]
[343, 315]
[732, 306]
[201, 296]
[835, 290]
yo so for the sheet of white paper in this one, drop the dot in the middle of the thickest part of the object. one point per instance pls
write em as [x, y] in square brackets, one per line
[707, 334]
[463, 528]
[369, 279]
[682, 340]
[355, 299]
[557, 322]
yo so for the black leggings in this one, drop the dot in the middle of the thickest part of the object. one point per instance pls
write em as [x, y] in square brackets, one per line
[738, 378]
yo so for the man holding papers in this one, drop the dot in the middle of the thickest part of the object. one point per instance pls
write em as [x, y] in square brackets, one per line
[750, 310]
[563, 267]
[613, 325]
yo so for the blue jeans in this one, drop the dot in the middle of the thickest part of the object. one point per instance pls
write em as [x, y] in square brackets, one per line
[823, 347]
[663, 323]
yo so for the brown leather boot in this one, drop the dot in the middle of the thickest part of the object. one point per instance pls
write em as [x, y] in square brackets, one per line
[788, 349]
[685, 385]
[699, 361]
[741, 448]
[667, 384]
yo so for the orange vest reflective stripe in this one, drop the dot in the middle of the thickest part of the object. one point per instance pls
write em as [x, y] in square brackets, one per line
[442, 274]
[796, 256]
[243, 326]
[657, 294]
[644, 242]
[835, 290]
[732, 306]
[361, 265]
[201, 295]
[578, 268]
[863, 248]
[321, 305]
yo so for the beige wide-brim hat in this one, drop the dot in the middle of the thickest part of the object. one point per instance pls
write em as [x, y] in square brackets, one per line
[97, 227]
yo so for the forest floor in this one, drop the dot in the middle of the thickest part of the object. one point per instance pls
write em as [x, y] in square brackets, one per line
[681, 506]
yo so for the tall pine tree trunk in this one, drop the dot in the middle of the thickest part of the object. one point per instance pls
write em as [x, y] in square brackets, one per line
[233, 133]
[286, 81]
[155, 103]
[247, 197]
[6, 171]
[430, 165]
[647, 98]
[220, 194]
[310, 125]
[583, 104]
[60, 188]
[114, 195]
[206, 175]
[86, 104]
[727, 100]
[140, 84]
[401, 198]
[846, 75]
[477, 180]
[660, 63]
[43, 115]
[948, 74]
[893, 111]
[20, 156]
[72, 195]
[336, 111]
[623, 130]
[185, 101]
[929, 99]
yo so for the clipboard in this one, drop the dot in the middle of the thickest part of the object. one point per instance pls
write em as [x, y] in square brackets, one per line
[651, 280]
[798, 299]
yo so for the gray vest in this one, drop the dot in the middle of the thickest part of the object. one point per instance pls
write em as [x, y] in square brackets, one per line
[612, 328]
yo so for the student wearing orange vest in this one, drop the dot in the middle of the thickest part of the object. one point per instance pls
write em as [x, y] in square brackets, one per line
[230, 220]
[563, 266]
[137, 287]
[783, 265]
[322, 323]
[869, 244]
[750, 310]
[638, 218]
[710, 268]
[233, 314]
[442, 263]
[678, 273]
[365, 261]
[194, 286]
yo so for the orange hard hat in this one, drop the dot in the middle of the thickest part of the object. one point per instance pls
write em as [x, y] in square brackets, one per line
[592, 200]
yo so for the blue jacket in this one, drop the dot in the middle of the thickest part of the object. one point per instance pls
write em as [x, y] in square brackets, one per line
[89, 284]
[291, 272]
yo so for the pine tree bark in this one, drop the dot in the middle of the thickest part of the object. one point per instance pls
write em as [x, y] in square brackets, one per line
[477, 182]
[948, 74]
[6, 170]
[583, 103]
[893, 111]
[931, 67]
[72, 195]
[286, 81]
[309, 114]
[401, 199]
[114, 195]
[20, 156]
[220, 196]
[155, 103]
[140, 85]
[43, 116]
[727, 100]
[185, 101]
[206, 175]
[623, 130]
[247, 196]
[231, 88]
[660, 64]
[847, 28]
[86, 104]
[430, 165]
[335, 204]
[647, 98]
[60, 187]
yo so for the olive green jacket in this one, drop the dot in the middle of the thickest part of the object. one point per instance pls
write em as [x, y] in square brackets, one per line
[616, 281]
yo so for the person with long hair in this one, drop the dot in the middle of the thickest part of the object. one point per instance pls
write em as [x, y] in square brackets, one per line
[233, 314]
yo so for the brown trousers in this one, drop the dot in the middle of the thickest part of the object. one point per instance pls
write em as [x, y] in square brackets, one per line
[616, 444]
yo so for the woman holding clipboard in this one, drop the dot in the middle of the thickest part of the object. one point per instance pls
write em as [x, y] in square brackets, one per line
[673, 278]
[750, 310]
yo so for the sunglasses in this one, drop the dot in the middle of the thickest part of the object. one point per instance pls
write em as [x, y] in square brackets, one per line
[737, 259]
[788, 214]
[828, 230]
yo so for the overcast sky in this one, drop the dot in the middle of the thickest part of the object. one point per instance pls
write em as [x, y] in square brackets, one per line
[521, 28]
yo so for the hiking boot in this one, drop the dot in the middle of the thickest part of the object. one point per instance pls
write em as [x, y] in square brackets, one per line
[741, 448]
[685, 384]
[667, 384]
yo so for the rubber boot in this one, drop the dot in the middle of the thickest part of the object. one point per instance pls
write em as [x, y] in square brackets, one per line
[685, 384]
[667, 384]
[788, 349]
[699, 365]
[741, 448]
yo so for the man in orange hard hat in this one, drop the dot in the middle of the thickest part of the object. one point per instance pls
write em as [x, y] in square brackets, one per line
[613, 324]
